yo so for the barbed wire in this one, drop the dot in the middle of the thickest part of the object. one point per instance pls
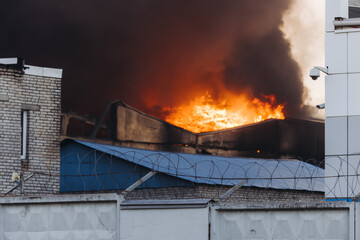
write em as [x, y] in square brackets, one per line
[192, 176]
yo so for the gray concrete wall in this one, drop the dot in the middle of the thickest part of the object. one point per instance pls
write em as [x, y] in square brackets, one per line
[106, 216]
[69, 217]
[38, 91]
[325, 220]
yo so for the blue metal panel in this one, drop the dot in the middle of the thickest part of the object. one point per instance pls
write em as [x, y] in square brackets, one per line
[205, 169]
[87, 169]
[181, 169]
[340, 200]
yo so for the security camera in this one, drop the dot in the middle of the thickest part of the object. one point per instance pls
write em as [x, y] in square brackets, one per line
[320, 106]
[315, 72]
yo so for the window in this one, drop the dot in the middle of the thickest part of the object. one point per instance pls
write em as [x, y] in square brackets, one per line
[354, 9]
[24, 133]
[354, 12]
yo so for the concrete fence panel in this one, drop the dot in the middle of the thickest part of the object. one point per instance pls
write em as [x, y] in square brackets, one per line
[107, 216]
[57, 219]
[164, 224]
[325, 221]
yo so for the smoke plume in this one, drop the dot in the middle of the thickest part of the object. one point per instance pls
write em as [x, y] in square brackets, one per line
[153, 54]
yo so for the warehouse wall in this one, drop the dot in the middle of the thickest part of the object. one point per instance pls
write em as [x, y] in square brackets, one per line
[135, 126]
[270, 139]
[289, 138]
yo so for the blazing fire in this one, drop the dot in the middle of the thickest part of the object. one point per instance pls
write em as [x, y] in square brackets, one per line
[207, 114]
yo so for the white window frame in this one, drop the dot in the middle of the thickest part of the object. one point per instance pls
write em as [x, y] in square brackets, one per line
[24, 134]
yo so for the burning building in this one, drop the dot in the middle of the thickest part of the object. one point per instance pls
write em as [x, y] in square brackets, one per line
[163, 57]
[212, 64]
[272, 138]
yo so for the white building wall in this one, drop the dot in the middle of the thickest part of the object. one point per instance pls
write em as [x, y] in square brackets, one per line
[342, 96]
[335, 8]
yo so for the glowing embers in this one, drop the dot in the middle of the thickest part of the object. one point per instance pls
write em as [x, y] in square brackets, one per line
[206, 113]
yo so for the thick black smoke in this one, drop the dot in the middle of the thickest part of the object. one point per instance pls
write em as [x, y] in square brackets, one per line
[151, 53]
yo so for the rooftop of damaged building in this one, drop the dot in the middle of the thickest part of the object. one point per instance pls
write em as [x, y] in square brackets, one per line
[123, 125]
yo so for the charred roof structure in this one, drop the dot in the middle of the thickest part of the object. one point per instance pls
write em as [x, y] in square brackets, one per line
[125, 126]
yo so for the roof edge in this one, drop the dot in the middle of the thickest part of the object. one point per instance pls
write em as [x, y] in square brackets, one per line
[31, 70]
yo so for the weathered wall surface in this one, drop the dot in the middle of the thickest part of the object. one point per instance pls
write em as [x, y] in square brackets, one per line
[59, 218]
[284, 222]
[242, 195]
[40, 96]
[289, 138]
[164, 224]
[273, 138]
[106, 216]
[134, 126]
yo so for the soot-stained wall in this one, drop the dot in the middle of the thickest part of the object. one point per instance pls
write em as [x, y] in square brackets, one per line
[269, 139]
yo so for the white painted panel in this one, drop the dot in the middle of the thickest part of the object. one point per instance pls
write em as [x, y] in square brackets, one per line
[336, 52]
[354, 135]
[353, 179]
[164, 224]
[60, 221]
[336, 95]
[354, 52]
[43, 72]
[357, 219]
[275, 224]
[8, 60]
[336, 136]
[335, 8]
[354, 93]
[336, 177]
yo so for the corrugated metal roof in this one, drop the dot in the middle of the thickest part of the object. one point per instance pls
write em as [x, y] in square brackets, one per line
[216, 170]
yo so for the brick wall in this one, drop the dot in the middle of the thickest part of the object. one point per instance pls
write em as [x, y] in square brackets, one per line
[37, 91]
[242, 195]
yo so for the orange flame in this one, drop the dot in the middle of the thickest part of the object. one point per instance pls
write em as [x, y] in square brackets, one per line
[206, 114]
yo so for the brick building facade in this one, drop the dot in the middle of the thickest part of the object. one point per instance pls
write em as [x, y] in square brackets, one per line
[30, 99]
